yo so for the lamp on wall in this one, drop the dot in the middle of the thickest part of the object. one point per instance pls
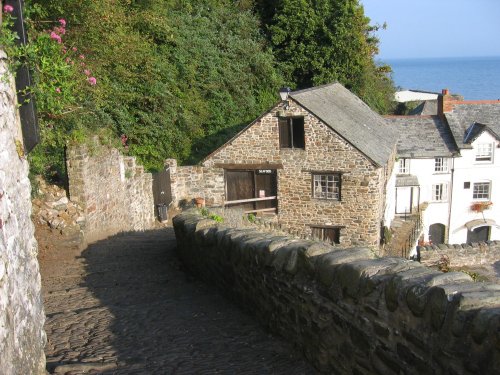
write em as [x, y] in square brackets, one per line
[284, 92]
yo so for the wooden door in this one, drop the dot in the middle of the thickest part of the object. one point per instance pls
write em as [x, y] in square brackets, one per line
[240, 185]
[481, 234]
[162, 192]
[436, 233]
[266, 186]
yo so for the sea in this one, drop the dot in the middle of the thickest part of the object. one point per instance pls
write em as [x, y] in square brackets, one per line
[475, 78]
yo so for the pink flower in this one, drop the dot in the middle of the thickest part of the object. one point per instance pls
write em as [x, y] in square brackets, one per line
[82, 57]
[58, 90]
[92, 81]
[56, 37]
[74, 49]
[8, 8]
[62, 21]
[82, 64]
[60, 30]
[68, 60]
[87, 72]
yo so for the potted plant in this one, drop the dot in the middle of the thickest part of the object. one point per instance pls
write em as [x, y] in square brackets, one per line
[480, 206]
[200, 202]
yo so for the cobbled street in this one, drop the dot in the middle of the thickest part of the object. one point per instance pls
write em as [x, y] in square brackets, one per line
[125, 306]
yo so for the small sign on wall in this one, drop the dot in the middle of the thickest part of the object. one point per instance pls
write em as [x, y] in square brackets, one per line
[264, 171]
[262, 193]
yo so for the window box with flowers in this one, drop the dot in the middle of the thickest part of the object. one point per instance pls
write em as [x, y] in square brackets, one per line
[480, 206]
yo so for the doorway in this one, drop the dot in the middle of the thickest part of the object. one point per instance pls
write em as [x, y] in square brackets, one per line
[436, 233]
[480, 234]
[253, 190]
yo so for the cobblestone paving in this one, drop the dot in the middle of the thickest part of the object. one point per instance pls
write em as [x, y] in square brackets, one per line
[124, 306]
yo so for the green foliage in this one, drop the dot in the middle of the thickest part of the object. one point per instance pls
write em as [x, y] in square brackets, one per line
[206, 213]
[178, 78]
[321, 41]
[169, 73]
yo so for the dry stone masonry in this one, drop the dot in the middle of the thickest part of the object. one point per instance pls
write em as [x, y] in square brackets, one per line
[114, 192]
[474, 255]
[22, 338]
[358, 213]
[349, 312]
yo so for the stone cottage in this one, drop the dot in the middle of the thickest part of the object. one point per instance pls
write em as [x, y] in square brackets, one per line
[320, 160]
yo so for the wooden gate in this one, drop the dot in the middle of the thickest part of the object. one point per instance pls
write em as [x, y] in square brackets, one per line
[162, 192]
[252, 190]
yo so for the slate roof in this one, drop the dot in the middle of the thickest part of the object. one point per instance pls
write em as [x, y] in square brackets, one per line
[406, 180]
[351, 118]
[464, 115]
[422, 136]
[426, 108]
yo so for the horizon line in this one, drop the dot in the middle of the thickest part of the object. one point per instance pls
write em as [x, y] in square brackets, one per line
[377, 58]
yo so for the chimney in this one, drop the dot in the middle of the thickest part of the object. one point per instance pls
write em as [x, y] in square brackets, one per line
[444, 102]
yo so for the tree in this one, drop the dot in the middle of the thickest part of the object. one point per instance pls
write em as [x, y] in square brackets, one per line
[320, 41]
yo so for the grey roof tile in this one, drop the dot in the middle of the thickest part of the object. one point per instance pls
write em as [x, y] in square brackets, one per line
[351, 118]
[406, 180]
[464, 115]
[422, 136]
[426, 108]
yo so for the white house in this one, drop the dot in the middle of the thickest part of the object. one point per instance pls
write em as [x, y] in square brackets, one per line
[475, 210]
[449, 162]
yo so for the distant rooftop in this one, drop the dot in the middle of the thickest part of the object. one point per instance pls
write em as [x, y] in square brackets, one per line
[422, 136]
[414, 96]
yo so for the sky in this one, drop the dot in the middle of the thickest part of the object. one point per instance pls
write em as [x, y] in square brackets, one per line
[436, 28]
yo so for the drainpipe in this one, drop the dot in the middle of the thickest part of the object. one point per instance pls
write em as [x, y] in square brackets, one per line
[451, 198]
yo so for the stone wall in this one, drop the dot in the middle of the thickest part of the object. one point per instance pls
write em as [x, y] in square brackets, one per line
[475, 254]
[22, 338]
[189, 182]
[348, 312]
[114, 192]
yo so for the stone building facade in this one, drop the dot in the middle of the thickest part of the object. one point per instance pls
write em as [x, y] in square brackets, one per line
[328, 184]
[22, 337]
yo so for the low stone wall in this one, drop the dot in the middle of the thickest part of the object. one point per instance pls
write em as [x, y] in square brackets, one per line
[22, 338]
[115, 194]
[350, 313]
[475, 254]
[189, 182]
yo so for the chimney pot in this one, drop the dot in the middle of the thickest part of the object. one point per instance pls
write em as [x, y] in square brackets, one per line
[445, 92]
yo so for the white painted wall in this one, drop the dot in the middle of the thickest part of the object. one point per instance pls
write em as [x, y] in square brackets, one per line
[436, 212]
[468, 170]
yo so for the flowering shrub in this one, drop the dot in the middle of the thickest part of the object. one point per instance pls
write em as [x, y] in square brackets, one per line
[58, 79]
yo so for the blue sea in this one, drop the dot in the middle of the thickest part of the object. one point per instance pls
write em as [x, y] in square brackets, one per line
[475, 78]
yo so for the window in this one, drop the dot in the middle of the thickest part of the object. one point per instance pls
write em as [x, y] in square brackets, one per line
[291, 132]
[481, 190]
[404, 166]
[467, 185]
[484, 152]
[441, 165]
[439, 192]
[327, 234]
[326, 186]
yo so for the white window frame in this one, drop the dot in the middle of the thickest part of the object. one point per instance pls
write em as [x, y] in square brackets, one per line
[441, 165]
[327, 186]
[439, 192]
[477, 195]
[484, 153]
[404, 166]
